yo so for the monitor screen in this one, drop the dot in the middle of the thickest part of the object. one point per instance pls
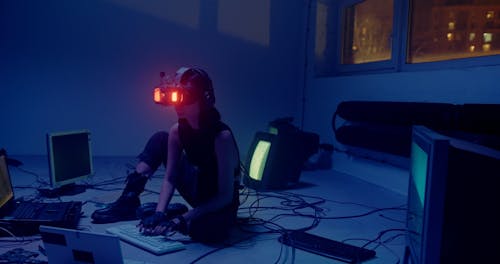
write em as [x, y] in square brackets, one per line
[70, 157]
[262, 164]
[428, 172]
[419, 168]
[258, 159]
[416, 195]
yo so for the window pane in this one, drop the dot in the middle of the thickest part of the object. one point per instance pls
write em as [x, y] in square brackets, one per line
[453, 29]
[367, 32]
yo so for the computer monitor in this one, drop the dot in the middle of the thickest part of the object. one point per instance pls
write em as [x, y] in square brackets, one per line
[452, 200]
[275, 160]
[6, 190]
[70, 161]
[259, 164]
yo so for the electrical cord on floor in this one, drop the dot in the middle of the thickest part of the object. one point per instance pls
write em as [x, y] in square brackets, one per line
[39, 182]
[14, 241]
[220, 248]
[381, 243]
[293, 205]
[381, 233]
[288, 202]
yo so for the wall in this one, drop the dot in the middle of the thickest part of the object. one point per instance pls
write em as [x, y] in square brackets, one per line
[92, 64]
[458, 86]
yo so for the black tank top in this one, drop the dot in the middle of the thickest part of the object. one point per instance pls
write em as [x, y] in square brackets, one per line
[199, 147]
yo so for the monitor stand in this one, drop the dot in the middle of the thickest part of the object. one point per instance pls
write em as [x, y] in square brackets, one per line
[65, 190]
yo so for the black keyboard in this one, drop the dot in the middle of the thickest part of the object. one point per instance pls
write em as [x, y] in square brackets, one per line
[28, 216]
[64, 214]
[28, 210]
[327, 247]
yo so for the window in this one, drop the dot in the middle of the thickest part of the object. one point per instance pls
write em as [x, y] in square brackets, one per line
[399, 35]
[367, 32]
[453, 29]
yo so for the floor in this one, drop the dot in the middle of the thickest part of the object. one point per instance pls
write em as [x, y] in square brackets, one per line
[348, 209]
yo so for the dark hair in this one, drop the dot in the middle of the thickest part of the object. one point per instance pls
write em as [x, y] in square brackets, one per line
[200, 85]
[209, 117]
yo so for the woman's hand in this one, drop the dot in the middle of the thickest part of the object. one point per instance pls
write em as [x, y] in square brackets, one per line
[158, 224]
[154, 225]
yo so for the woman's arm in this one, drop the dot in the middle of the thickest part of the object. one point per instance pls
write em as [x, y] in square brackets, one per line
[167, 187]
[173, 156]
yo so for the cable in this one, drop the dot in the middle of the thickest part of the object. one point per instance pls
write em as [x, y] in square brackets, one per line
[38, 178]
[364, 214]
[16, 239]
[382, 243]
[289, 202]
[294, 205]
[381, 233]
[8, 232]
[392, 219]
[219, 248]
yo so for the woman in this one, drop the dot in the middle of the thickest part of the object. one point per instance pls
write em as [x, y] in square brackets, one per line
[202, 164]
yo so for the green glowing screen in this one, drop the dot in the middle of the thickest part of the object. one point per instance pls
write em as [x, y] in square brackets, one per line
[419, 164]
[259, 158]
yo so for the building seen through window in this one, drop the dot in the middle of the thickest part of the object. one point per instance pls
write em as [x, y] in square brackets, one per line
[386, 35]
[453, 29]
[367, 32]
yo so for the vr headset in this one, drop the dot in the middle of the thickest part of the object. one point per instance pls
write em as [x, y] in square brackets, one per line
[173, 96]
[173, 93]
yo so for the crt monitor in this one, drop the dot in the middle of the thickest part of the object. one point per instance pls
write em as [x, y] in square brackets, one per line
[271, 162]
[275, 160]
[70, 160]
[264, 169]
[452, 200]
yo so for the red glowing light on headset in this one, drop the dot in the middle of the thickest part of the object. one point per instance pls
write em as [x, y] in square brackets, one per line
[158, 95]
[169, 96]
[174, 97]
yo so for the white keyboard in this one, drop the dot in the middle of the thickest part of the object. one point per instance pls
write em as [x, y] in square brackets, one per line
[155, 244]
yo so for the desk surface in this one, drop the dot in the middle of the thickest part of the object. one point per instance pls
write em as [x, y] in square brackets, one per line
[341, 195]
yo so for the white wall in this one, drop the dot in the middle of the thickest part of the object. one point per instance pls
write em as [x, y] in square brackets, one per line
[92, 64]
[458, 86]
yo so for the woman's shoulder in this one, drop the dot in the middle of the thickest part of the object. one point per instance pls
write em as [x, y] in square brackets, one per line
[221, 126]
[223, 132]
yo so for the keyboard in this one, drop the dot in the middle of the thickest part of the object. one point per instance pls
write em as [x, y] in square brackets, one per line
[66, 214]
[155, 244]
[28, 210]
[327, 247]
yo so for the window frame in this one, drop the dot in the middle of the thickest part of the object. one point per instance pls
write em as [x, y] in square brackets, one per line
[399, 49]
[379, 66]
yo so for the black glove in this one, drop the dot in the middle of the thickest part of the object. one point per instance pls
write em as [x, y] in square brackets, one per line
[153, 220]
[159, 219]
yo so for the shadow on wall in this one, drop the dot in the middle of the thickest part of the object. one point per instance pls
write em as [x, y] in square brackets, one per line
[234, 18]
[92, 64]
